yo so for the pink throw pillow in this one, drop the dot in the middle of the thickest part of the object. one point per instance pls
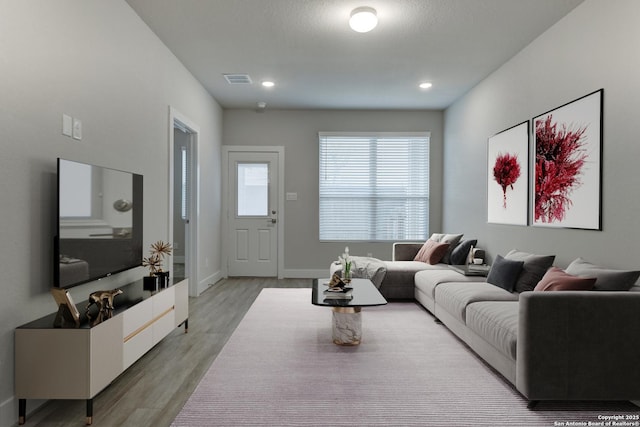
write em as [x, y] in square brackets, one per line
[432, 252]
[556, 279]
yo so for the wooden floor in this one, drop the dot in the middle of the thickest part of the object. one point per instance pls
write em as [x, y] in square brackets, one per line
[154, 389]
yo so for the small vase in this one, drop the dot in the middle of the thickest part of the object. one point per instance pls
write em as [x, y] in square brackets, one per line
[150, 283]
[346, 276]
[163, 279]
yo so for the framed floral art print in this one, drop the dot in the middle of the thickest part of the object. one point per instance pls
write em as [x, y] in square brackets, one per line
[508, 176]
[568, 169]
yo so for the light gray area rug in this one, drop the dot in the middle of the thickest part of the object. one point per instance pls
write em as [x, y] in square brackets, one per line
[280, 368]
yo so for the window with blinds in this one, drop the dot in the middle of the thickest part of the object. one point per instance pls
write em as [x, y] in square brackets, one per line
[374, 187]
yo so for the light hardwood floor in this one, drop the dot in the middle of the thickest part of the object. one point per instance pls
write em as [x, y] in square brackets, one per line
[154, 389]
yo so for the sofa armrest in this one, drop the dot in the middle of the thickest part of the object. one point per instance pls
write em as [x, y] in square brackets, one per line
[578, 345]
[405, 251]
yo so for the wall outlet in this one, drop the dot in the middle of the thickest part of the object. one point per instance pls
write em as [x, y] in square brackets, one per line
[369, 254]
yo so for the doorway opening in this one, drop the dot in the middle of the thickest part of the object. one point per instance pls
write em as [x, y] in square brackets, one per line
[183, 220]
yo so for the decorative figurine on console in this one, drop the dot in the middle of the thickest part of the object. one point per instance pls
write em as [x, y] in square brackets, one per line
[104, 301]
[67, 315]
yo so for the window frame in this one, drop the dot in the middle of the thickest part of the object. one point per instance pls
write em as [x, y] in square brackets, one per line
[375, 197]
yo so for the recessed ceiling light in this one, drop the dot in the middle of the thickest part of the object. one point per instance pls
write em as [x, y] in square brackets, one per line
[268, 83]
[425, 85]
[363, 19]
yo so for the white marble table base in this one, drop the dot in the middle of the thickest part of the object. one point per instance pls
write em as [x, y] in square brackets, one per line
[347, 325]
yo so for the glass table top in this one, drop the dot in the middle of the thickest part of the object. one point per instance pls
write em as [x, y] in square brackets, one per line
[365, 294]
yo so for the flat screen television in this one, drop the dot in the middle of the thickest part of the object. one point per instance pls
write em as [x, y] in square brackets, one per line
[99, 223]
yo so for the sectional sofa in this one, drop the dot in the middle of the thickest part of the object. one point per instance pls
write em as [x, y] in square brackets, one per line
[560, 345]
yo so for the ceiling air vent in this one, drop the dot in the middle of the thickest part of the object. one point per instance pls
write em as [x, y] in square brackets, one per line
[238, 79]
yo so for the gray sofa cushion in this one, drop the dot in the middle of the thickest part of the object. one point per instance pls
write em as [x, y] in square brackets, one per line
[405, 251]
[427, 280]
[497, 323]
[456, 296]
[606, 279]
[403, 271]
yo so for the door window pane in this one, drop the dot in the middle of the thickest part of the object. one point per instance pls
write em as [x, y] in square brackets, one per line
[253, 189]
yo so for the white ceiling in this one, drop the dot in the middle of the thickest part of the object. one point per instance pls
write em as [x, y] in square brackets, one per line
[307, 48]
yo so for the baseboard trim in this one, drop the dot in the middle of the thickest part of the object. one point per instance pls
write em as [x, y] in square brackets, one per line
[9, 410]
[208, 281]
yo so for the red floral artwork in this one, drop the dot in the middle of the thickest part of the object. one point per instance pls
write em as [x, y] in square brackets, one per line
[560, 157]
[506, 172]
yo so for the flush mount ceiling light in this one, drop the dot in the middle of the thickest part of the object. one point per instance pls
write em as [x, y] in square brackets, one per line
[425, 85]
[363, 19]
[268, 83]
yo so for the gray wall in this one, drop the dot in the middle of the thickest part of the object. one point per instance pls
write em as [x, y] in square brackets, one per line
[297, 131]
[595, 46]
[97, 61]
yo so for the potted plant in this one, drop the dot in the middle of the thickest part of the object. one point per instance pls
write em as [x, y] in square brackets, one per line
[157, 277]
[345, 260]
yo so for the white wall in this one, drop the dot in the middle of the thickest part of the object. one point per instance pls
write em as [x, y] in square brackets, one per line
[297, 131]
[595, 46]
[96, 61]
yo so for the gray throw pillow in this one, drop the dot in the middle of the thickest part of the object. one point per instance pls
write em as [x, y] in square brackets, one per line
[504, 273]
[460, 253]
[606, 279]
[534, 268]
[451, 239]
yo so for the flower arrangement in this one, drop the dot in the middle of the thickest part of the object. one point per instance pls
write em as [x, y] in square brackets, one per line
[345, 260]
[560, 159]
[159, 250]
[506, 172]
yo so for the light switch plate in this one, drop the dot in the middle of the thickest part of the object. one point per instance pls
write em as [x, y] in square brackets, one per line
[67, 125]
[77, 129]
[292, 196]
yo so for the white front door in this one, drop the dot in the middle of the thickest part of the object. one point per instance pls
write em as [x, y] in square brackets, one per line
[252, 214]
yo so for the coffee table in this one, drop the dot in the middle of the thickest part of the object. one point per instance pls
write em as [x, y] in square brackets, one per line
[347, 314]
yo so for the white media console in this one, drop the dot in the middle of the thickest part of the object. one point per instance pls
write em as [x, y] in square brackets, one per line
[78, 363]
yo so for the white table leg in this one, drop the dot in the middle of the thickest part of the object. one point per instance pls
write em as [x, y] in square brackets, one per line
[347, 325]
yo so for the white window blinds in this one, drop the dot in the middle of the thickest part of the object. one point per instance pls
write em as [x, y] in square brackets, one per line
[374, 187]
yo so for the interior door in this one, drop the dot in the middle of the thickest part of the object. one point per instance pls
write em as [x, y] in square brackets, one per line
[253, 216]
